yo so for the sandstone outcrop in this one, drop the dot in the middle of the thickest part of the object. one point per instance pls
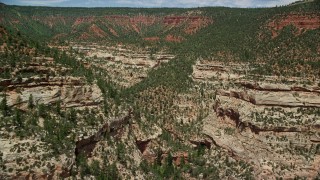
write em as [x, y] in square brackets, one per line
[302, 22]
[87, 145]
[104, 27]
[263, 86]
[69, 91]
[262, 147]
[271, 124]
[271, 98]
[125, 66]
[17, 155]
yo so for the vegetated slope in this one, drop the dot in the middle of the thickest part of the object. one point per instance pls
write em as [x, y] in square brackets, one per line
[205, 108]
[235, 34]
[245, 35]
[33, 81]
[105, 23]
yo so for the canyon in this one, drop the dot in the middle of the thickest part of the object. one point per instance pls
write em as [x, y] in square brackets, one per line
[130, 93]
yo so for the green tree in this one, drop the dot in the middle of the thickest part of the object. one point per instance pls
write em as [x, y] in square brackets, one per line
[121, 152]
[58, 107]
[4, 106]
[170, 160]
[159, 157]
[34, 120]
[169, 168]
[42, 112]
[49, 125]
[17, 120]
[30, 102]
[72, 116]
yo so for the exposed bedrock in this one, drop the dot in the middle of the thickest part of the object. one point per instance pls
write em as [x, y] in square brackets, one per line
[69, 91]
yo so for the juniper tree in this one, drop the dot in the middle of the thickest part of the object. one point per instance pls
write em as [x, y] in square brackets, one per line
[4, 106]
[30, 102]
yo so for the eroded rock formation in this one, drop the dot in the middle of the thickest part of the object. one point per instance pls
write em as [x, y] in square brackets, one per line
[69, 91]
[87, 145]
[302, 22]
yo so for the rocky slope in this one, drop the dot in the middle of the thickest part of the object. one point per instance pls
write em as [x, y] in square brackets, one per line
[120, 93]
[105, 25]
[47, 89]
[269, 124]
[125, 66]
[302, 22]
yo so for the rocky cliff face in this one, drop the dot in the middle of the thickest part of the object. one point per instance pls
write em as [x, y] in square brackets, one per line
[125, 66]
[69, 91]
[17, 155]
[302, 22]
[111, 26]
[269, 124]
[87, 145]
[28, 154]
[66, 117]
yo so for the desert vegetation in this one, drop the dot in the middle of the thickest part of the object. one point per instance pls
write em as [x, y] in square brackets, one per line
[168, 93]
